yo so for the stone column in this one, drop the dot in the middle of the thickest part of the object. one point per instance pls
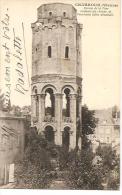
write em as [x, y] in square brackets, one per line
[33, 108]
[79, 105]
[53, 105]
[80, 119]
[40, 111]
[37, 107]
[58, 118]
[73, 119]
[42, 102]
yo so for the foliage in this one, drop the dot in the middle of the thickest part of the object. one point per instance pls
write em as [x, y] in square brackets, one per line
[34, 171]
[115, 112]
[108, 155]
[16, 110]
[114, 178]
[87, 173]
[83, 174]
[88, 125]
[66, 158]
[20, 111]
[111, 165]
[88, 121]
[31, 176]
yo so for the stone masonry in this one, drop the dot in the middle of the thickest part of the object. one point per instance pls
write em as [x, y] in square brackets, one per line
[57, 71]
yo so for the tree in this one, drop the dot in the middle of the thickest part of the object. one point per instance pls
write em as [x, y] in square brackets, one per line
[88, 125]
[16, 110]
[115, 112]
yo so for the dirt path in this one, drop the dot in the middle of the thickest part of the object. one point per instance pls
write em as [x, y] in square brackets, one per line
[7, 186]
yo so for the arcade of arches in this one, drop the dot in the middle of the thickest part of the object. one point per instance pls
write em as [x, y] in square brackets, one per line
[57, 114]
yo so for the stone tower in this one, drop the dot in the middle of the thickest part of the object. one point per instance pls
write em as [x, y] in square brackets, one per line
[56, 73]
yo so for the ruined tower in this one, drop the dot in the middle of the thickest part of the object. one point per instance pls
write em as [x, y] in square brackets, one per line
[56, 73]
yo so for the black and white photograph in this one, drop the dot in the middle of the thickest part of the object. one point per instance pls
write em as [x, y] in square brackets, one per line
[60, 94]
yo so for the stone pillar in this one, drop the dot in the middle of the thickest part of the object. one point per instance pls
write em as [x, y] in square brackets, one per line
[80, 117]
[42, 101]
[37, 107]
[73, 119]
[58, 117]
[40, 111]
[33, 105]
[53, 105]
[33, 108]
[79, 98]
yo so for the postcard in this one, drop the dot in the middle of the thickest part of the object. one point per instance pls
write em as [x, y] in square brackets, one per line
[60, 94]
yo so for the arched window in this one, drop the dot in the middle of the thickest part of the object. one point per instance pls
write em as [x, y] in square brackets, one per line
[50, 13]
[66, 52]
[66, 137]
[36, 91]
[49, 51]
[49, 134]
[64, 14]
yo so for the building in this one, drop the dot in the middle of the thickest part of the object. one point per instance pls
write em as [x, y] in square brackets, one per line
[107, 131]
[12, 130]
[56, 73]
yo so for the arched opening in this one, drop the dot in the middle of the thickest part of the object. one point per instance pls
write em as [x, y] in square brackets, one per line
[49, 134]
[64, 14]
[49, 51]
[66, 103]
[50, 13]
[49, 103]
[66, 137]
[66, 52]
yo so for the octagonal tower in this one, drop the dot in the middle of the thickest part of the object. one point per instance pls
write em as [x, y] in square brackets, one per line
[57, 73]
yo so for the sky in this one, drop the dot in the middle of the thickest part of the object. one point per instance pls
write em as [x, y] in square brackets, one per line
[100, 52]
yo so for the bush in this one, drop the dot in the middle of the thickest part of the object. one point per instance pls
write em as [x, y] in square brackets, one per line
[94, 172]
[34, 171]
[111, 166]
[31, 177]
[83, 174]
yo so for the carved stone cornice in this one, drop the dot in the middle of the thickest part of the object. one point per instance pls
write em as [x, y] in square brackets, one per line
[57, 77]
[43, 23]
[58, 95]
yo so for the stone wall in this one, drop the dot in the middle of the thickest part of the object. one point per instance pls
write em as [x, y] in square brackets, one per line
[57, 31]
[56, 67]
[11, 144]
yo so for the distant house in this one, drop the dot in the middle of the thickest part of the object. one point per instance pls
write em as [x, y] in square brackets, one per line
[107, 130]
